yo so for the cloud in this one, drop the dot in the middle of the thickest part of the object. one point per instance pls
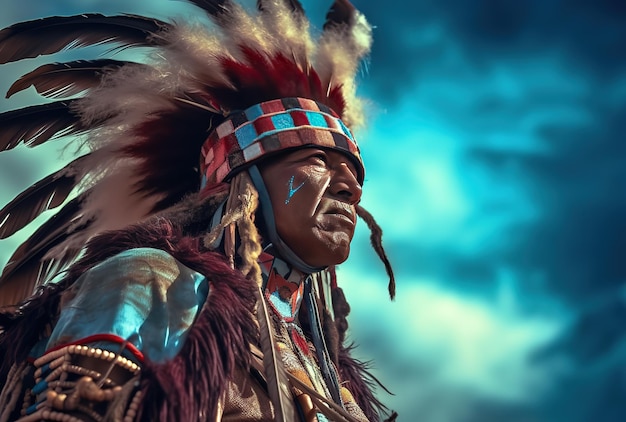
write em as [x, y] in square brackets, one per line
[462, 349]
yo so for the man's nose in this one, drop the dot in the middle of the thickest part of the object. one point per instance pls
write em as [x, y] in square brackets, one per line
[344, 185]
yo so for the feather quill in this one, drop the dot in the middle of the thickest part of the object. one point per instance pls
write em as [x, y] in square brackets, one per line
[50, 35]
[46, 194]
[58, 80]
[275, 374]
[327, 407]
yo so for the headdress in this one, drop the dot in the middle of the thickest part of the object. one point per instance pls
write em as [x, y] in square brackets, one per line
[230, 94]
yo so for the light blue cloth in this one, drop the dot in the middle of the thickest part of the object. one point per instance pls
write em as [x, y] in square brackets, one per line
[143, 295]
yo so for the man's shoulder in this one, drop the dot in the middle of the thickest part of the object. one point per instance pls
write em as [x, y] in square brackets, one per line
[142, 265]
[141, 258]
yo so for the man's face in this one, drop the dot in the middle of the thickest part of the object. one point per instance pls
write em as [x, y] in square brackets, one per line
[314, 193]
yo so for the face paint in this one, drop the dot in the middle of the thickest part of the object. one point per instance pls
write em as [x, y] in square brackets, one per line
[292, 191]
[318, 222]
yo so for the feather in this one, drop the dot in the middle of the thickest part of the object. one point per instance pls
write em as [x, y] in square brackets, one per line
[260, 78]
[294, 6]
[46, 194]
[35, 125]
[273, 369]
[342, 12]
[214, 8]
[166, 168]
[50, 35]
[28, 266]
[326, 407]
[66, 79]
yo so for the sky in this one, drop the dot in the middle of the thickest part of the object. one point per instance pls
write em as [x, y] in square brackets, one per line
[496, 166]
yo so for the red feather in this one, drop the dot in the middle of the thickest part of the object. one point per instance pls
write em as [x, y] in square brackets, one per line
[169, 150]
[262, 79]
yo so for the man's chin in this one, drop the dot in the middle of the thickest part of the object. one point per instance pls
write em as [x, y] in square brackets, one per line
[324, 248]
[338, 250]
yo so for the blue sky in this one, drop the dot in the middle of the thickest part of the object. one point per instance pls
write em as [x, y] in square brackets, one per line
[496, 166]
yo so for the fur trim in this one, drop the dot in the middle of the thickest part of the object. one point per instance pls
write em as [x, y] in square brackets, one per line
[22, 328]
[189, 386]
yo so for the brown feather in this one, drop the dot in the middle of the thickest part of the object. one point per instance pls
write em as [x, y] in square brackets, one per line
[35, 125]
[27, 268]
[340, 13]
[46, 194]
[215, 8]
[294, 5]
[50, 35]
[57, 80]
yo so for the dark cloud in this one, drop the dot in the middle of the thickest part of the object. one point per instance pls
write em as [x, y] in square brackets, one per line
[578, 184]
[415, 37]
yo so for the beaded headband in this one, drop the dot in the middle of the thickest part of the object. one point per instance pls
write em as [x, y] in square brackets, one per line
[271, 127]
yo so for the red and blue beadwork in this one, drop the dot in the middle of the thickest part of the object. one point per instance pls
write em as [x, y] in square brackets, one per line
[271, 127]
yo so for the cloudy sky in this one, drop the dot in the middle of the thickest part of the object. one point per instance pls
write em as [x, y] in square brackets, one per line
[496, 164]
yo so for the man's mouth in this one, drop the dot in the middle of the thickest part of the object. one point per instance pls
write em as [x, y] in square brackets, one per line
[343, 212]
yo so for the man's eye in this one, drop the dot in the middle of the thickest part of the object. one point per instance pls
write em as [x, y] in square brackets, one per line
[320, 157]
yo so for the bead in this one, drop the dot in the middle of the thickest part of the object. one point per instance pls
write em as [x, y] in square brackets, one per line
[57, 362]
[42, 371]
[31, 409]
[40, 387]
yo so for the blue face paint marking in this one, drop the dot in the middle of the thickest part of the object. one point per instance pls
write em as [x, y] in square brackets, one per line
[292, 191]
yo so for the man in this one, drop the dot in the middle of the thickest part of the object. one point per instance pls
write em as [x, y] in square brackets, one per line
[204, 292]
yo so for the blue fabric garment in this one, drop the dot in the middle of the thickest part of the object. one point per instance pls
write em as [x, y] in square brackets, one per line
[143, 295]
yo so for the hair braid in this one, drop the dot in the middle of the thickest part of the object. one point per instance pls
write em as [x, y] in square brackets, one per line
[250, 247]
[241, 206]
[377, 243]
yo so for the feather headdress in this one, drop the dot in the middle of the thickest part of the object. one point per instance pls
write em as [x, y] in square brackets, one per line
[143, 124]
